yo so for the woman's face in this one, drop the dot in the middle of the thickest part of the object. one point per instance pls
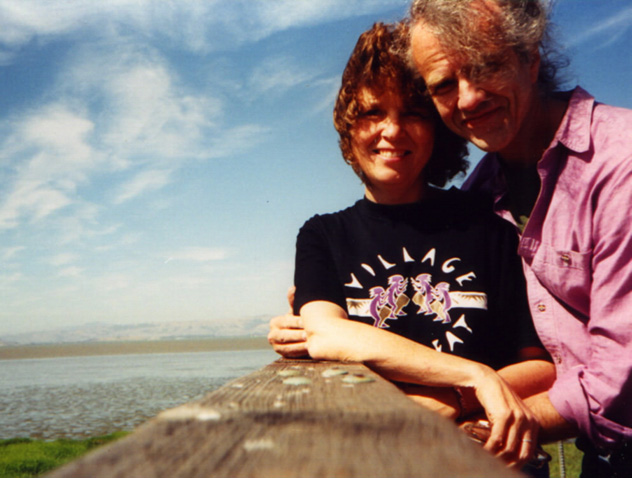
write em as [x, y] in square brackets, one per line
[391, 143]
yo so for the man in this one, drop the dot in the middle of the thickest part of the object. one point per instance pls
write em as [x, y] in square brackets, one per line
[559, 167]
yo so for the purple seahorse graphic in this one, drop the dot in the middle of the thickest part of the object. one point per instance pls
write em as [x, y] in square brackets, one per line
[441, 302]
[423, 293]
[378, 300]
[397, 286]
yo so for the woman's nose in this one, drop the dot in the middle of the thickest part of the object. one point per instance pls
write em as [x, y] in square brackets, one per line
[391, 125]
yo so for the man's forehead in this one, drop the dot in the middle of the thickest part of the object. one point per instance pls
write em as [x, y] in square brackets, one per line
[425, 45]
[479, 27]
[428, 53]
[435, 62]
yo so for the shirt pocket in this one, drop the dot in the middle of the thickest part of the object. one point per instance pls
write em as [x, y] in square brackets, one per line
[566, 274]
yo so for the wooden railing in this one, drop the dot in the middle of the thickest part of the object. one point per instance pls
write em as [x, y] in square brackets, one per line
[294, 418]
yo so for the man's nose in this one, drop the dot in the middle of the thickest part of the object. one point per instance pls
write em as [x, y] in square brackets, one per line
[470, 95]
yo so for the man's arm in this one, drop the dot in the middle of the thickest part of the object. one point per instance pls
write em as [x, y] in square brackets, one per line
[527, 378]
[594, 391]
[532, 375]
[553, 425]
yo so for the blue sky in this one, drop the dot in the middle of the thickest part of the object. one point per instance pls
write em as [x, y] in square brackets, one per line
[158, 157]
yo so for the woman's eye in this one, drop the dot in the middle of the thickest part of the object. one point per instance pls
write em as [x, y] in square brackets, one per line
[371, 113]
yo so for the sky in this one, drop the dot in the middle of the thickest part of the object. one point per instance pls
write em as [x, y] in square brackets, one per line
[157, 157]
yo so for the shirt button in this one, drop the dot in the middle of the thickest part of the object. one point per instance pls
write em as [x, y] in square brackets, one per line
[541, 308]
[566, 259]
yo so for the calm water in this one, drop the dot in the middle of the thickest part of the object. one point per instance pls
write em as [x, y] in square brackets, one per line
[77, 397]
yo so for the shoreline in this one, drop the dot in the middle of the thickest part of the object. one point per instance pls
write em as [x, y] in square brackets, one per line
[82, 349]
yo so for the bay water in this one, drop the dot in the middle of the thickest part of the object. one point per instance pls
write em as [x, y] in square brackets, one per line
[79, 397]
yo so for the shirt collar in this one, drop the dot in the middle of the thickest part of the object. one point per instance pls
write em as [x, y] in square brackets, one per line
[574, 130]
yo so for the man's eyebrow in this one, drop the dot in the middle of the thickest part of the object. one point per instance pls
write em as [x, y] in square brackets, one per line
[437, 80]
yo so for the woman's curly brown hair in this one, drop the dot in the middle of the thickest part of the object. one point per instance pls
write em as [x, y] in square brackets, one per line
[376, 64]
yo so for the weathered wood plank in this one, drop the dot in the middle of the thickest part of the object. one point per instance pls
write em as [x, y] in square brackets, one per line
[288, 420]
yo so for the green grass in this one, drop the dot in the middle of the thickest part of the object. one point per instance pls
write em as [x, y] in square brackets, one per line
[26, 458]
[572, 456]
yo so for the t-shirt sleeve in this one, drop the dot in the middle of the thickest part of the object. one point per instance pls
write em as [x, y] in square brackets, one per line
[315, 275]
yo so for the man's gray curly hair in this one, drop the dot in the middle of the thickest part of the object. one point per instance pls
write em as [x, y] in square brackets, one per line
[480, 30]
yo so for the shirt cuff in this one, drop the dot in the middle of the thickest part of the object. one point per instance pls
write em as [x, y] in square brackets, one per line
[570, 400]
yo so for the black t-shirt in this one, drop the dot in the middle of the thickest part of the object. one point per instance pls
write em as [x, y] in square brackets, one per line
[443, 272]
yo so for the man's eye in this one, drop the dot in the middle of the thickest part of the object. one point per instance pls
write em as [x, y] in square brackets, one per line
[442, 87]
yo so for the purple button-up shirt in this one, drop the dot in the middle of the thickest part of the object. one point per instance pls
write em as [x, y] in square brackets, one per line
[577, 258]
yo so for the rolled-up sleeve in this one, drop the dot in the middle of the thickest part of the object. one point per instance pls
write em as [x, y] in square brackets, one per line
[597, 394]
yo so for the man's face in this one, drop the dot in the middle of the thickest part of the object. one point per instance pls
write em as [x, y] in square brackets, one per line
[489, 109]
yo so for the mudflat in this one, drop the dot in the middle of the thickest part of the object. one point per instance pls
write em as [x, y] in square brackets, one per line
[140, 347]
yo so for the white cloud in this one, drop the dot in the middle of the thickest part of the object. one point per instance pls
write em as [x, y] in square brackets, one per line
[114, 282]
[63, 259]
[9, 253]
[149, 180]
[199, 254]
[278, 73]
[283, 14]
[62, 134]
[147, 112]
[83, 223]
[331, 87]
[71, 272]
[612, 27]
[7, 280]
[210, 24]
[32, 199]
[56, 158]
[236, 140]
[145, 122]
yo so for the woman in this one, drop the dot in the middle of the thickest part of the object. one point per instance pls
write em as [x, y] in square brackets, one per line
[419, 270]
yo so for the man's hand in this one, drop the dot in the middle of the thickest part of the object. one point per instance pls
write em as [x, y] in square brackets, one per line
[287, 336]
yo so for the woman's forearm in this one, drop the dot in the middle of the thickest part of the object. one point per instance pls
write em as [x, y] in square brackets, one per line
[330, 337]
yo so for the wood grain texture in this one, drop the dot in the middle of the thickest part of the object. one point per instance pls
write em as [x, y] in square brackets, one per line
[289, 420]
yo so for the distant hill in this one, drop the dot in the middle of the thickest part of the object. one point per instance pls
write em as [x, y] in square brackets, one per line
[103, 332]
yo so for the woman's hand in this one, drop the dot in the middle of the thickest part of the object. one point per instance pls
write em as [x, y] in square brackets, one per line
[514, 428]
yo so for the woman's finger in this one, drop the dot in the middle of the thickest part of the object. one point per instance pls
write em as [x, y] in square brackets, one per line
[527, 449]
